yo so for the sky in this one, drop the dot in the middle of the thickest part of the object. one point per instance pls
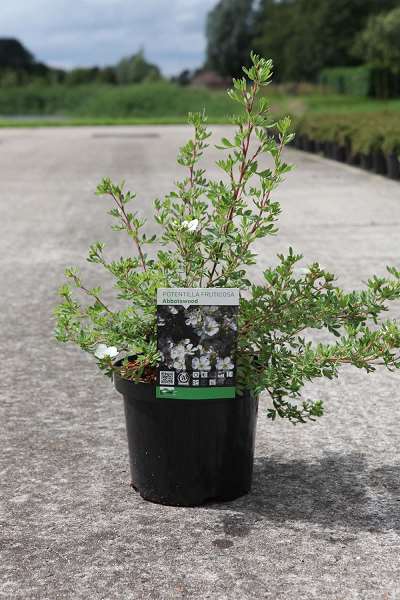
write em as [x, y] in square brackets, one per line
[71, 33]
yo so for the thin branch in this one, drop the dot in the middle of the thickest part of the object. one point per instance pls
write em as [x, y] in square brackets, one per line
[266, 197]
[239, 186]
[124, 217]
[79, 285]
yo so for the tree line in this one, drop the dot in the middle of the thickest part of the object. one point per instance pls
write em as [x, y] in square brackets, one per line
[18, 67]
[303, 37]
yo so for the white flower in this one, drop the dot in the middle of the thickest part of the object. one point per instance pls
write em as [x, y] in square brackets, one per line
[231, 323]
[201, 364]
[102, 351]
[210, 327]
[225, 364]
[191, 225]
[189, 348]
[194, 318]
[173, 310]
[210, 310]
[178, 352]
[179, 364]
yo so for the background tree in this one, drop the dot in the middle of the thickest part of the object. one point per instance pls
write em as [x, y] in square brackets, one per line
[230, 31]
[305, 36]
[135, 69]
[379, 45]
[13, 55]
[183, 78]
[82, 75]
[274, 27]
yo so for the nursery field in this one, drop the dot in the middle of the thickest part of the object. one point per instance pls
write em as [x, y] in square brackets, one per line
[322, 521]
[97, 104]
[352, 129]
[156, 103]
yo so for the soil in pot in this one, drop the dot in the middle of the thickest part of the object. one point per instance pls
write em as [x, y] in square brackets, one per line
[188, 452]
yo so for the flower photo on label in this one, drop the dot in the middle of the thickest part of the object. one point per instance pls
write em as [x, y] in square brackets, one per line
[198, 339]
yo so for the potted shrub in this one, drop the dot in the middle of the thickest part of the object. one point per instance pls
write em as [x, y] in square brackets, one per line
[186, 452]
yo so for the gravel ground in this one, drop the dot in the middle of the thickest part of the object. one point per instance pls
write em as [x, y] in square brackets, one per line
[322, 521]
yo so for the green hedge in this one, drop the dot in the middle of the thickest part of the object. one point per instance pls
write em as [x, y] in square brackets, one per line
[360, 133]
[152, 100]
[354, 81]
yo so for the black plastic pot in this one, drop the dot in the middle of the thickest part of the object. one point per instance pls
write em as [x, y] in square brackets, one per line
[301, 141]
[187, 452]
[330, 150]
[320, 147]
[393, 166]
[354, 159]
[309, 145]
[379, 162]
[340, 153]
[366, 161]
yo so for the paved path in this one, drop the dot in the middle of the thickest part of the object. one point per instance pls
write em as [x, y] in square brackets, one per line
[323, 520]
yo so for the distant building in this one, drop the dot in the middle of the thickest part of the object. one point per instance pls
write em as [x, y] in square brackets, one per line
[210, 80]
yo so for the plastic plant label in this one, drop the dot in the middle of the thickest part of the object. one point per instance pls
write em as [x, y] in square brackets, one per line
[196, 333]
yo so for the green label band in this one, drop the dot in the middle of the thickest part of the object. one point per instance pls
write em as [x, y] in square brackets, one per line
[190, 393]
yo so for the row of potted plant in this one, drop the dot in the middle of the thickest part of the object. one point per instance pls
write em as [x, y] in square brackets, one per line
[370, 141]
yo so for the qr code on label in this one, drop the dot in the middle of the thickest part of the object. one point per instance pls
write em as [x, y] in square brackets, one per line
[167, 378]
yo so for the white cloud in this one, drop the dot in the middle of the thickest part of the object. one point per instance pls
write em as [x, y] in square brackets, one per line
[88, 32]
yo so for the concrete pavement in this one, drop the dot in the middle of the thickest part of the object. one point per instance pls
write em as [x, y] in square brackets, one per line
[323, 520]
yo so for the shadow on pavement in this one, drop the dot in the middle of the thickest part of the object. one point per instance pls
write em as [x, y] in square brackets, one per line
[338, 490]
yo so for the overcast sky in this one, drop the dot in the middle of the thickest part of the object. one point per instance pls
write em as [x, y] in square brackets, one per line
[69, 33]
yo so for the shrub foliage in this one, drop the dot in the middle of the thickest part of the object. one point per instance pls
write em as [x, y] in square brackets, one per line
[208, 231]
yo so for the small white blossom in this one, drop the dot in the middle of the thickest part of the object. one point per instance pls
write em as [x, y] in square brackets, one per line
[102, 351]
[210, 326]
[179, 364]
[201, 364]
[210, 310]
[189, 348]
[194, 318]
[230, 323]
[225, 364]
[178, 352]
[191, 225]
